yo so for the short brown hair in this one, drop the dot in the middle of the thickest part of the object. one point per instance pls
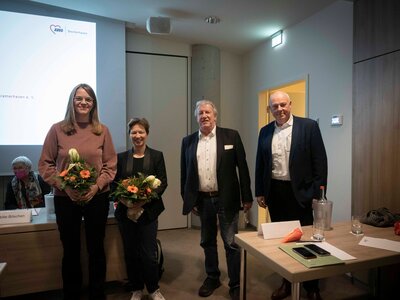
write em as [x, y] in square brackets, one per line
[140, 121]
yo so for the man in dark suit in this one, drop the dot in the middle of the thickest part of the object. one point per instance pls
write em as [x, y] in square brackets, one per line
[291, 165]
[211, 160]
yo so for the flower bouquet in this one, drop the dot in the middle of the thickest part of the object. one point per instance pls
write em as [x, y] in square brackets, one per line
[133, 191]
[79, 175]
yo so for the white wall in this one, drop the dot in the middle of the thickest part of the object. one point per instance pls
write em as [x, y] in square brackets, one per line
[155, 44]
[320, 46]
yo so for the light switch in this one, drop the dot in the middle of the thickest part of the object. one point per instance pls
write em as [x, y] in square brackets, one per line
[337, 120]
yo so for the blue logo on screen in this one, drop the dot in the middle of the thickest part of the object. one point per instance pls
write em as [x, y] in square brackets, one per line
[56, 29]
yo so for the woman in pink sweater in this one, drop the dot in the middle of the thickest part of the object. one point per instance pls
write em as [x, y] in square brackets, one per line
[82, 130]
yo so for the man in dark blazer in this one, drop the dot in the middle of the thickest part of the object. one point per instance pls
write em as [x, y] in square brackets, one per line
[211, 160]
[291, 165]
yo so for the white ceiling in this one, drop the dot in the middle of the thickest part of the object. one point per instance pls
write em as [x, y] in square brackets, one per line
[244, 23]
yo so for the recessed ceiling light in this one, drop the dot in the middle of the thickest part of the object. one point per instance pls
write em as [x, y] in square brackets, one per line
[276, 39]
[212, 20]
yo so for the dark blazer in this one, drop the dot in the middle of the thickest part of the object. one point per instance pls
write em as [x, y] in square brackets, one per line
[231, 157]
[308, 164]
[153, 164]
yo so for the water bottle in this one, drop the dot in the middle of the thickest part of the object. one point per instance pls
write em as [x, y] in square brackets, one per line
[319, 216]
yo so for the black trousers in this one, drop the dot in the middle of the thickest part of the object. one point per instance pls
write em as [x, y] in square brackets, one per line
[140, 249]
[283, 206]
[69, 219]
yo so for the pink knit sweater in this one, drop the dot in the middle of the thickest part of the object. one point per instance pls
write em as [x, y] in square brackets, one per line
[96, 150]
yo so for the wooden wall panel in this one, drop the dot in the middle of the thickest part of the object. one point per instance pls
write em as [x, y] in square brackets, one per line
[376, 134]
[376, 28]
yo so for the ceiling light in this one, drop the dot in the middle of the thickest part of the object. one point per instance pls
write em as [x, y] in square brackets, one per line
[212, 20]
[276, 39]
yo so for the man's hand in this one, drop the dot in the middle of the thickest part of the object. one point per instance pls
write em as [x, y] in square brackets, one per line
[261, 202]
[247, 206]
[195, 211]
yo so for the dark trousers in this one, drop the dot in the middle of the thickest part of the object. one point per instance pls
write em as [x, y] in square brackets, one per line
[210, 209]
[69, 219]
[283, 206]
[140, 248]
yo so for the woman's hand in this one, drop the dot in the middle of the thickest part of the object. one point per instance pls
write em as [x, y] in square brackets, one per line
[74, 195]
[90, 193]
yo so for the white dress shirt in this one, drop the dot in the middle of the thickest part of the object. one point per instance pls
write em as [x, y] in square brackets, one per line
[281, 142]
[207, 161]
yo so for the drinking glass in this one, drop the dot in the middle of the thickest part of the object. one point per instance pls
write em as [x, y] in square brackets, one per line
[356, 225]
[318, 231]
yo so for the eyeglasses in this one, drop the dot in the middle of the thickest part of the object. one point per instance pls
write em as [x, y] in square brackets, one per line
[87, 99]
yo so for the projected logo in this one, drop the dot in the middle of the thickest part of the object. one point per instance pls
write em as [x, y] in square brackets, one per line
[56, 29]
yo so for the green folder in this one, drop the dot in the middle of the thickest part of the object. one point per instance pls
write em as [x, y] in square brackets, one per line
[313, 262]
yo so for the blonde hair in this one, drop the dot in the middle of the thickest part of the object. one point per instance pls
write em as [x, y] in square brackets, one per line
[69, 122]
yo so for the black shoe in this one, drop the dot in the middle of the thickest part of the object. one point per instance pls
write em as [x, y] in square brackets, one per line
[284, 291]
[234, 293]
[208, 287]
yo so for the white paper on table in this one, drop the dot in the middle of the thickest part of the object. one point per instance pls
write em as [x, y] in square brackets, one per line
[380, 243]
[275, 230]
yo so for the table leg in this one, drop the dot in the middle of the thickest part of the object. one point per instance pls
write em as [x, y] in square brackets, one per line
[244, 285]
[295, 290]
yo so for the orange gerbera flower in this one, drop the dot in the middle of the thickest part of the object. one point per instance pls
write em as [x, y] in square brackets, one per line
[64, 173]
[84, 174]
[132, 189]
[72, 178]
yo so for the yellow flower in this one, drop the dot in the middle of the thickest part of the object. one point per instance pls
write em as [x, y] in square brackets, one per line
[156, 183]
[73, 155]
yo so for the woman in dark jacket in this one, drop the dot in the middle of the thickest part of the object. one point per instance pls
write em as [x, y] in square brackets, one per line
[138, 223]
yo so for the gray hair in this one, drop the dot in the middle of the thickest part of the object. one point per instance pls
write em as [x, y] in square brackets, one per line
[22, 160]
[203, 102]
